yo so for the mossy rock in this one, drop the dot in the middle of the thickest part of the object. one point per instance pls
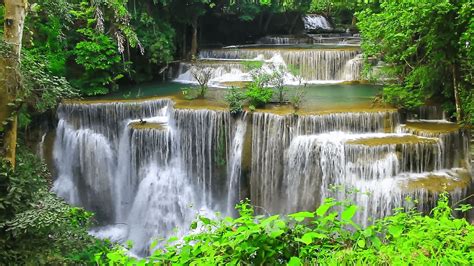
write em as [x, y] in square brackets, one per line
[392, 140]
[432, 127]
[439, 182]
[147, 125]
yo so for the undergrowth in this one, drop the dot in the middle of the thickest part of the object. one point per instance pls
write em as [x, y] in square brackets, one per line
[323, 237]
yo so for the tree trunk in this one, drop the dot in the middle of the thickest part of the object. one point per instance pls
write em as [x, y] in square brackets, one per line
[15, 12]
[267, 23]
[293, 24]
[457, 97]
[184, 42]
[194, 42]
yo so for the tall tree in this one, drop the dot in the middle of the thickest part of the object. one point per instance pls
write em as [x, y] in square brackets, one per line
[14, 17]
[424, 45]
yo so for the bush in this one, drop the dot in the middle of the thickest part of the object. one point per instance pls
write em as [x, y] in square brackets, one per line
[36, 226]
[325, 236]
[235, 97]
[258, 96]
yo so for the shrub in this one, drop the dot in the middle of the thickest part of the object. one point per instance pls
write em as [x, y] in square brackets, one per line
[327, 236]
[202, 75]
[258, 96]
[36, 227]
[235, 97]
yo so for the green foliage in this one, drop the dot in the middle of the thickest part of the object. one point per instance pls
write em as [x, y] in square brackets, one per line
[278, 83]
[258, 91]
[235, 97]
[101, 62]
[190, 93]
[327, 236]
[424, 44]
[297, 98]
[36, 227]
[252, 65]
[402, 97]
[41, 89]
[258, 96]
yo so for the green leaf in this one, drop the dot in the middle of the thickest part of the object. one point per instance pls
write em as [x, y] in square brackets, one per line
[376, 242]
[308, 237]
[361, 243]
[348, 213]
[294, 261]
[205, 220]
[368, 232]
[153, 244]
[321, 211]
[300, 216]
[276, 233]
[395, 230]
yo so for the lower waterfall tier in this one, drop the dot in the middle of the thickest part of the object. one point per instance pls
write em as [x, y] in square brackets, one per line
[153, 167]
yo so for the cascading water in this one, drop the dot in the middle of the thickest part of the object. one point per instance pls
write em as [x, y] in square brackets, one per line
[151, 168]
[315, 65]
[155, 172]
[234, 167]
[316, 22]
[145, 167]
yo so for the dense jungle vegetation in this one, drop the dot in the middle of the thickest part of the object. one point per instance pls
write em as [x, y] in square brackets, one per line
[80, 48]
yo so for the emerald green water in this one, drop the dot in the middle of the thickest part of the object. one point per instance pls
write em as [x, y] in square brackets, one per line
[315, 95]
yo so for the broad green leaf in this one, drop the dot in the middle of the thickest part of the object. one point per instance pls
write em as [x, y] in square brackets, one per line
[367, 232]
[349, 212]
[376, 242]
[395, 230]
[276, 233]
[300, 216]
[361, 243]
[269, 220]
[153, 244]
[205, 220]
[280, 224]
[294, 261]
[321, 211]
[308, 237]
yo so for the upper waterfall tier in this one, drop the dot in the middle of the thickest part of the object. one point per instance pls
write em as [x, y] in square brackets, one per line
[314, 22]
[314, 64]
[332, 39]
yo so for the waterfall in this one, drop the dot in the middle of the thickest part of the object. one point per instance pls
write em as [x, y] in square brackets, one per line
[234, 166]
[297, 160]
[40, 147]
[317, 162]
[146, 167]
[272, 135]
[313, 64]
[316, 22]
[285, 40]
[153, 175]
[85, 162]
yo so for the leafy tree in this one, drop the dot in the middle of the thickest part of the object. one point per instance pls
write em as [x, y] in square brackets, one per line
[14, 18]
[100, 60]
[424, 46]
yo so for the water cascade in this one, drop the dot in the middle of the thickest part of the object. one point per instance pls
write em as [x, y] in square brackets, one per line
[157, 175]
[148, 166]
[315, 65]
[154, 175]
[316, 22]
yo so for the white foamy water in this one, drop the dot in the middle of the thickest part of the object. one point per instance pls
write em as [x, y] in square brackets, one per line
[315, 22]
